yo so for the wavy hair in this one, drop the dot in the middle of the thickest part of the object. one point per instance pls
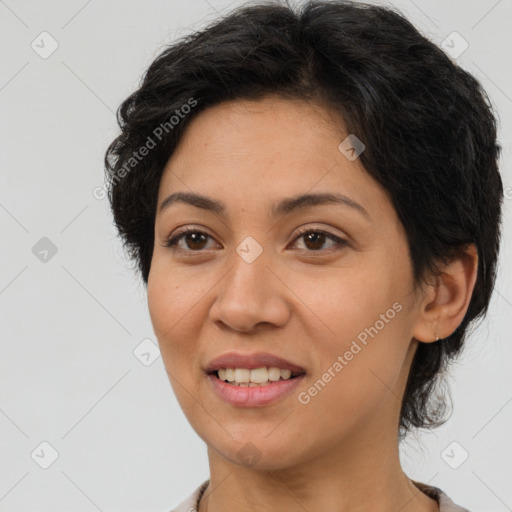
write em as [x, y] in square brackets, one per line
[427, 124]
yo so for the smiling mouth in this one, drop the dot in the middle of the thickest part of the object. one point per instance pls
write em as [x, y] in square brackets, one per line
[258, 377]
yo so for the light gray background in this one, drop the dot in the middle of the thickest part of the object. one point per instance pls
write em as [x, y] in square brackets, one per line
[69, 326]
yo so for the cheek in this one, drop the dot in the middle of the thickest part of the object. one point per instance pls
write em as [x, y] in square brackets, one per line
[355, 383]
[362, 315]
[169, 308]
[341, 304]
[173, 301]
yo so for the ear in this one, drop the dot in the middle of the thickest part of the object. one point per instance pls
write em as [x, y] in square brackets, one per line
[444, 303]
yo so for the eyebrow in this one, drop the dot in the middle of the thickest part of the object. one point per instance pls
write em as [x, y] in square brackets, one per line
[284, 207]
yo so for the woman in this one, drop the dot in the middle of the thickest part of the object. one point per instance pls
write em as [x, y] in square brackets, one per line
[311, 196]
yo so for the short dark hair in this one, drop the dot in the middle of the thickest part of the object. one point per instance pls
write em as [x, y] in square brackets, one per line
[428, 128]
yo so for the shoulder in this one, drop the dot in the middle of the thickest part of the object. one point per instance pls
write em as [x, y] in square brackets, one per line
[190, 502]
[446, 504]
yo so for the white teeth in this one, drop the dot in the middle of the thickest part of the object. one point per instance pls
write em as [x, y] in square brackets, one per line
[254, 377]
[259, 375]
[242, 375]
[274, 373]
[285, 374]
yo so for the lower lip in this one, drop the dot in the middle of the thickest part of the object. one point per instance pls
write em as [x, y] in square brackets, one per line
[257, 396]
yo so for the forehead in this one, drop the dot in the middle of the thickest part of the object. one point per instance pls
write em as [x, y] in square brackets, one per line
[257, 152]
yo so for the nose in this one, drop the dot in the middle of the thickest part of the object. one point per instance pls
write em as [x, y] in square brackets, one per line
[250, 294]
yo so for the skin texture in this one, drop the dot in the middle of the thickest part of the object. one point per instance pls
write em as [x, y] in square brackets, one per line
[301, 299]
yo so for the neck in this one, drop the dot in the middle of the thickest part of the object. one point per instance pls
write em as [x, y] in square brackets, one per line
[364, 476]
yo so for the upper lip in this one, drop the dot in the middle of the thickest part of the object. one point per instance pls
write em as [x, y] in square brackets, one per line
[251, 361]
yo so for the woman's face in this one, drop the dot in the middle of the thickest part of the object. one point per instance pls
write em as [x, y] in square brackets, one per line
[252, 280]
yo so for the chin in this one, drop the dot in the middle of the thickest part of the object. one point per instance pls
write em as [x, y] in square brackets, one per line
[257, 452]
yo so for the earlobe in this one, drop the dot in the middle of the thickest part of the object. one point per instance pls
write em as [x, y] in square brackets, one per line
[446, 301]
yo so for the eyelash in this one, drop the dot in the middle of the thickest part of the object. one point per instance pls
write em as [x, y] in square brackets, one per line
[171, 242]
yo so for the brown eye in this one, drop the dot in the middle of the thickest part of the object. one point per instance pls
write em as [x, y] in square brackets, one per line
[194, 240]
[314, 239]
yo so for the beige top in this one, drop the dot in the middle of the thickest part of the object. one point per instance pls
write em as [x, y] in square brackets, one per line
[445, 503]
